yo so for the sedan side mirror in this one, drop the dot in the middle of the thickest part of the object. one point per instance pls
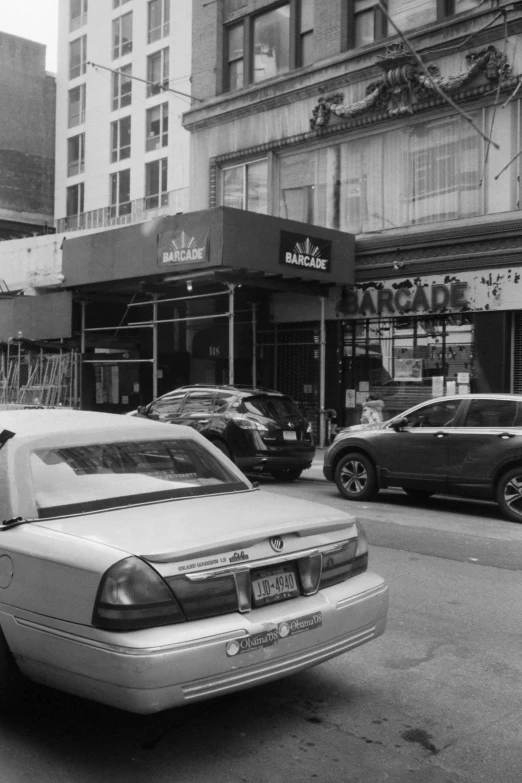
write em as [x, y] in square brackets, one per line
[399, 424]
[142, 410]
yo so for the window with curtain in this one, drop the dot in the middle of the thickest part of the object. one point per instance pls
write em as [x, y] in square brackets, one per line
[246, 186]
[423, 172]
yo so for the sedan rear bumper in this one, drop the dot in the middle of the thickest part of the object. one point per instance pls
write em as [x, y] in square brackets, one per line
[159, 668]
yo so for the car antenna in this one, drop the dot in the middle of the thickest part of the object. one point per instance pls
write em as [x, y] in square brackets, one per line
[5, 435]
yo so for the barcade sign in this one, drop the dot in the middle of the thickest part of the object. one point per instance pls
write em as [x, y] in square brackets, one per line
[180, 247]
[299, 250]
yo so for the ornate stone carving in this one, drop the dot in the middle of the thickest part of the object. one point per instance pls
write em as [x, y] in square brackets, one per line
[404, 84]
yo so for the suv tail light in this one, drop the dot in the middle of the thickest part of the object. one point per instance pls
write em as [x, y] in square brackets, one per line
[133, 595]
[250, 424]
[347, 561]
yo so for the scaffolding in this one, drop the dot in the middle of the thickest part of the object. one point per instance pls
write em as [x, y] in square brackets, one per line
[33, 375]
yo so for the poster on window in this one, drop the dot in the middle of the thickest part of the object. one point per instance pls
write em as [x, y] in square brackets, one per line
[408, 370]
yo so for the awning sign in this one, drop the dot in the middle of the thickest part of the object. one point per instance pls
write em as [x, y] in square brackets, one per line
[181, 247]
[304, 252]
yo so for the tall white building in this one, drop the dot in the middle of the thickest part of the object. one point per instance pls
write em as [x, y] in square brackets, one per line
[122, 155]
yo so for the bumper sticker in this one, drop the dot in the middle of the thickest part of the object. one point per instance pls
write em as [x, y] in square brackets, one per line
[268, 638]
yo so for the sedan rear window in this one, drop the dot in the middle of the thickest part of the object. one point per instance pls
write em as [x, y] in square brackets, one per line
[106, 475]
[272, 407]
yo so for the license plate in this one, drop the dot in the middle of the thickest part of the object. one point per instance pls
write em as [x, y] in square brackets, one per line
[274, 584]
[289, 435]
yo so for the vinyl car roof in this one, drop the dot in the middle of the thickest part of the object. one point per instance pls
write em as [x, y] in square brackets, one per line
[41, 422]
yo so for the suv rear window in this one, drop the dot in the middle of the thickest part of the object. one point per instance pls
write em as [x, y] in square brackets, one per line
[272, 407]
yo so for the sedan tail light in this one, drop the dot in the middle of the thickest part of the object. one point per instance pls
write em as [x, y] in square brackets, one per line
[345, 561]
[133, 595]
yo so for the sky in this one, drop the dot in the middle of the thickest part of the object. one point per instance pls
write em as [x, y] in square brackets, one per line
[33, 19]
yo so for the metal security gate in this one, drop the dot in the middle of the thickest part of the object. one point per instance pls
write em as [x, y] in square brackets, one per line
[289, 358]
[516, 354]
[34, 375]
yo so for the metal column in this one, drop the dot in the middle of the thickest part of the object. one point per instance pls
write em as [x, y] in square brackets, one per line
[155, 348]
[322, 372]
[231, 287]
[82, 351]
[254, 346]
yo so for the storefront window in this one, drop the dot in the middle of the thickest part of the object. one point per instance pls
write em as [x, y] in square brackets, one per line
[246, 186]
[425, 172]
[407, 360]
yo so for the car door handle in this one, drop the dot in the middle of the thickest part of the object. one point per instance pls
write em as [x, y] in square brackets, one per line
[440, 434]
[506, 435]
[202, 421]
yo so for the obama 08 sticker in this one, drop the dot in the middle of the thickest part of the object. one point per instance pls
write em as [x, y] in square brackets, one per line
[270, 637]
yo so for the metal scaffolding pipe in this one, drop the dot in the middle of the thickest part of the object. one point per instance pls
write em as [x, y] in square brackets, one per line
[155, 349]
[231, 287]
[322, 373]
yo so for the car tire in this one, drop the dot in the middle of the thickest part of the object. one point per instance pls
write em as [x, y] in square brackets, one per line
[355, 477]
[509, 494]
[286, 475]
[12, 682]
[223, 448]
[419, 495]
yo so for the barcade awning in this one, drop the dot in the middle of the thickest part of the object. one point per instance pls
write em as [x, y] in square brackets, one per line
[216, 242]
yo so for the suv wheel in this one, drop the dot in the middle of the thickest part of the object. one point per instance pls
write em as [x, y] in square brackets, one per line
[286, 475]
[355, 477]
[509, 494]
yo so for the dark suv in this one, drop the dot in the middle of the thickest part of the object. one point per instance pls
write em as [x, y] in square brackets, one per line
[259, 429]
[466, 445]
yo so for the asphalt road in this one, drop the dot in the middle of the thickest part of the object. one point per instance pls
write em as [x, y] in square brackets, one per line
[437, 699]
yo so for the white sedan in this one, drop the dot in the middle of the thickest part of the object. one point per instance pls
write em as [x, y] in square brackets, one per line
[140, 568]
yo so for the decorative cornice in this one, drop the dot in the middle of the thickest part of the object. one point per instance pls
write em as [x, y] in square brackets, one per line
[405, 86]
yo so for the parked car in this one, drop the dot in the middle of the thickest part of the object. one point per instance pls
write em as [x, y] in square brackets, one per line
[140, 568]
[465, 445]
[260, 430]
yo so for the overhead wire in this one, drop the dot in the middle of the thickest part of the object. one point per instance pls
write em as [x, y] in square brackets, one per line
[434, 85]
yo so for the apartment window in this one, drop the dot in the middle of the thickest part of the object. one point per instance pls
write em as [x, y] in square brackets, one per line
[122, 87]
[245, 186]
[157, 127]
[122, 36]
[117, 3]
[120, 139]
[75, 155]
[157, 71]
[77, 57]
[235, 56]
[158, 20]
[156, 193]
[367, 24]
[74, 200]
[305, 54]
[120, 193]
[76, 113]
[77, 14]
[267, 44]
